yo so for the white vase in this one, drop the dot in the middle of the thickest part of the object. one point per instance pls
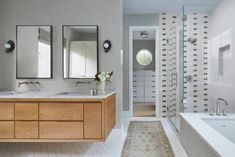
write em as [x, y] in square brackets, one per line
[102, 87]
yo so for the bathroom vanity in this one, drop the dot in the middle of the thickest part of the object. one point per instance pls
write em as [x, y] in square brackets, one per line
[61, 117]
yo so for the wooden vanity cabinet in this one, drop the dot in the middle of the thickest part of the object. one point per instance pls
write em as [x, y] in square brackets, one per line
[6, 120]
[26, 111]
[6, 129]
[26, 129]
[61, 120]
[6, 111]
[93, 120]
[61, 130]
[56, 120]
[66, 111]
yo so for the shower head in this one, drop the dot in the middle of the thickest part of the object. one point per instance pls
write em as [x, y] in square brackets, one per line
[192, 40]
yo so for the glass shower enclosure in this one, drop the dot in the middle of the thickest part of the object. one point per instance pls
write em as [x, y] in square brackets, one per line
[187, 63]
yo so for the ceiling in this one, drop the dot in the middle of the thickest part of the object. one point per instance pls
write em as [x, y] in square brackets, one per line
[160, 6]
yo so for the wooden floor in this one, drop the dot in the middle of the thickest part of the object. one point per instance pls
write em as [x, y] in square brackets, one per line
[144, 110]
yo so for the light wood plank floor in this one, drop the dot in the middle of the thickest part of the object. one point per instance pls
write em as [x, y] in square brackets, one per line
[143, 110]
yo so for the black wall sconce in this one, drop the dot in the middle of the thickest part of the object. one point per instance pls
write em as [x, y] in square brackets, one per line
[9, 46]
[107, 45]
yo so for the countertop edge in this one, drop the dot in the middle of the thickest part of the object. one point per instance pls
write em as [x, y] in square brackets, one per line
[57, 97]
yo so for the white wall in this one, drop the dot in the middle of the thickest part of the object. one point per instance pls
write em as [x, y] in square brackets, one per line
[221, 19]
[107, 14]
[132, 20]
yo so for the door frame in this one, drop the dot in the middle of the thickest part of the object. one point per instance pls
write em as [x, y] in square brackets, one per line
[157, 66]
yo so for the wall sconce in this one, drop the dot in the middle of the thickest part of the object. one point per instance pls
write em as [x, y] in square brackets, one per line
[9, 46]
[107, 45]
[144, 34]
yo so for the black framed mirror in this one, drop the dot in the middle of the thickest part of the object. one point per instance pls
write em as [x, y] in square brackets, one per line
[34, 52]
[80, 51]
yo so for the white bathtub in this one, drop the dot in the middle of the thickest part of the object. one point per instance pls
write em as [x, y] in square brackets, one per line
[208, 136]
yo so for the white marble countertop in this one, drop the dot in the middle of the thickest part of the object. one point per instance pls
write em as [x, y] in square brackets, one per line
[74, 95]
[220, 144]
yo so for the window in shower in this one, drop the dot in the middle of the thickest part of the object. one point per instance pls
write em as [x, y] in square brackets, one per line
[223, 52]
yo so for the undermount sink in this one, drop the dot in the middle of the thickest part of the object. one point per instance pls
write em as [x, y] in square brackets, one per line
[16, 93]
[70, 93]
[10, 93]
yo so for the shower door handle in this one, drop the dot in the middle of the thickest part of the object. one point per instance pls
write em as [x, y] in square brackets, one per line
[176, 79]
[174, 76]
[172, 79]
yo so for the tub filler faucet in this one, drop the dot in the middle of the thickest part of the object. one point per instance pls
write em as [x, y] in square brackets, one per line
[218, 107]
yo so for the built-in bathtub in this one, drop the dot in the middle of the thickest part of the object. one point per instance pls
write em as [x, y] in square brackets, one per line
[203, 135]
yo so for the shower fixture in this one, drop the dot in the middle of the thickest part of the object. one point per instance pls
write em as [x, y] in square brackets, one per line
[192, 40]
[189, 78]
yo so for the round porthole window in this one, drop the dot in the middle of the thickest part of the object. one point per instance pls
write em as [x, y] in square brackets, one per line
[144, 57]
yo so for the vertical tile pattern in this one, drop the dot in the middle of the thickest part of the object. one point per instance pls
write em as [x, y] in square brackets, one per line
[195, 63]
[167, 97]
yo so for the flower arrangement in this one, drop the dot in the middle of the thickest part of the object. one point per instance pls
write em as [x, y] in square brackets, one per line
[104, 77]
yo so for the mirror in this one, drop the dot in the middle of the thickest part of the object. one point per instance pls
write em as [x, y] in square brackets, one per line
[80, 51]
[34, 52]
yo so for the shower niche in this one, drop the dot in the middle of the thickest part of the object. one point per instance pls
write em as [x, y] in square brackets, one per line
[220, 59]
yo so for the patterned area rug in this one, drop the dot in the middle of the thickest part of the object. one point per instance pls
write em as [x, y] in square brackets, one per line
[146, 139]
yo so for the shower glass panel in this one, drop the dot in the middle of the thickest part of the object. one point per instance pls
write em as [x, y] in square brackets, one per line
[180, 69]
[175, 73]
[187, 65]
[172, 74]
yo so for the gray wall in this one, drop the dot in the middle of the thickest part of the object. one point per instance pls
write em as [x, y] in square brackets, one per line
[107, 14]
[132, 20]
[222, 19]
[143, 44]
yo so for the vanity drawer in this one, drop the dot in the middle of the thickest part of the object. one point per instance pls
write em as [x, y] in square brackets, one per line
[26, 111]
[93, 120]
[60, 130]
[61, 111]
[26, 130]
[6, 111]
[6, 130]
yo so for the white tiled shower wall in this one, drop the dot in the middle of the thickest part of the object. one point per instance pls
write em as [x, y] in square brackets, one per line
[195, 62]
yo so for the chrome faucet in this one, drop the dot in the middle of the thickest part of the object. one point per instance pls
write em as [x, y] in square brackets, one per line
[218, 107]
[82, 82]
[28, 83]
